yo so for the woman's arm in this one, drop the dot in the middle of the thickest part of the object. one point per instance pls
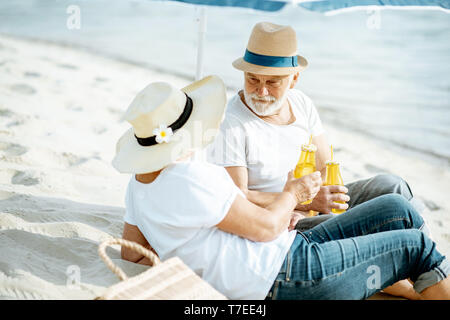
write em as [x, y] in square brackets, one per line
[262, 199]
[244, 218]
[255, 223]
[325, 199]
[132, 233]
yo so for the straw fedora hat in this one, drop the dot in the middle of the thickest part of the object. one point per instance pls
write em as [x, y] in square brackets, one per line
[271, 50]
[169, 123]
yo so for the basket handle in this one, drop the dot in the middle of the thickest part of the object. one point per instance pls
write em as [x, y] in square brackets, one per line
[129, 244]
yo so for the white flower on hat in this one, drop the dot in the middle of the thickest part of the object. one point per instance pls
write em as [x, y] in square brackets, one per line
[163, 133]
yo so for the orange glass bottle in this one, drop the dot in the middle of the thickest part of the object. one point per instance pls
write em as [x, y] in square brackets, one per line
[306, 164]
[333, 177]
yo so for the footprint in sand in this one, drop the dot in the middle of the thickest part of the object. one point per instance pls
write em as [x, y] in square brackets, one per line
[12, 149]
[101, 79]
[11, 176]
[73, 107]
[446, 236]
[72, 159]
[68, 66]
[25, 178]
[431, 205]
[15, 123]
[439, 223]
[32, 74]
[99, 129]
[23, 88]
[115, 111]
[6, 113]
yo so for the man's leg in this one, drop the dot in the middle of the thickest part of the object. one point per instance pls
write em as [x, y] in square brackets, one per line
[335, 260]
[385, 213]
[364, 190]
[357, 268]
[361, 191]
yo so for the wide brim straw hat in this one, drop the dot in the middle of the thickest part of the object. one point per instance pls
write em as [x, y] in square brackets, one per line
[271, 50]
[169, 124]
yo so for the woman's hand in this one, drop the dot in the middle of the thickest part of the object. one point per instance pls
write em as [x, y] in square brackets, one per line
[304, 188]
[295, 218]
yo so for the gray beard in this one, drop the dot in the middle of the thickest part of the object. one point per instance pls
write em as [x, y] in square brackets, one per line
[265, 109]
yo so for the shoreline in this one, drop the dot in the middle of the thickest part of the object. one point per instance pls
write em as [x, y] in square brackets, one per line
[392, 145]
[326, 113]
[88, 50]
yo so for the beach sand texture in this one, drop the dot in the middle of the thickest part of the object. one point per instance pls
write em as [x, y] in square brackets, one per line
[60, 111]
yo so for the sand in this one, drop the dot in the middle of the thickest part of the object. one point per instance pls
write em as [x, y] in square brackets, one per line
[60, 111]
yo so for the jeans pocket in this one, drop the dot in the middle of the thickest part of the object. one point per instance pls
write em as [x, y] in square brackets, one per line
[304, 236]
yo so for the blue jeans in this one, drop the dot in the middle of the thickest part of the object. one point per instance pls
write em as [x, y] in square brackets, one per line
[360, 252]
[361, 191]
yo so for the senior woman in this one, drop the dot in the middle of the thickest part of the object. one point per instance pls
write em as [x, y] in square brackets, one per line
[193, 210]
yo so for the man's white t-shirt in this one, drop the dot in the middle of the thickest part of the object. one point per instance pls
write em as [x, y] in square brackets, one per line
[269, 151]
[178, 213]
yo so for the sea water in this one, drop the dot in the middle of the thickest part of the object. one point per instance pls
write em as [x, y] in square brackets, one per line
[382, 73]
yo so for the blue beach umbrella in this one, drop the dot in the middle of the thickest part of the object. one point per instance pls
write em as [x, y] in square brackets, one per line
[326, 7]
[338, 6]
[264, 5]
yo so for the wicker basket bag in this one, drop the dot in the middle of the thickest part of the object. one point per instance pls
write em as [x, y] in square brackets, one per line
[167, 280]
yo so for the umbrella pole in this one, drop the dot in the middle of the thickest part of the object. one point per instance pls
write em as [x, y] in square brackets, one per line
[201, 40]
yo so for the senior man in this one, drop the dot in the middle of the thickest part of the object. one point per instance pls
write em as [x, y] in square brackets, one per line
[267, 122]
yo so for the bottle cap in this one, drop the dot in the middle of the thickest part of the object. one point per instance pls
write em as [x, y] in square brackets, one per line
[309, 147]
[331, 162]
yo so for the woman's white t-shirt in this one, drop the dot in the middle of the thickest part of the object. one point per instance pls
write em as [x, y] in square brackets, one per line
[178, 213]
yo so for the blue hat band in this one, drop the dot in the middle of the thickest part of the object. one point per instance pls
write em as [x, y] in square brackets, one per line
[270, 61]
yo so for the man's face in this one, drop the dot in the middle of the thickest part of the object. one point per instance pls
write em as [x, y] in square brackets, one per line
[265, 94]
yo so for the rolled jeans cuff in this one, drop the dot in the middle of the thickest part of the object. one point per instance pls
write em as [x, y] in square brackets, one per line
[433, 276]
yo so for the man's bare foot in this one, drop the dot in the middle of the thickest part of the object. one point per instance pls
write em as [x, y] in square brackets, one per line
[403, 288]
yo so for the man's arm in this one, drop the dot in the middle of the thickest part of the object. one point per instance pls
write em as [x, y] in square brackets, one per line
[240, 178]
[323, 153]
